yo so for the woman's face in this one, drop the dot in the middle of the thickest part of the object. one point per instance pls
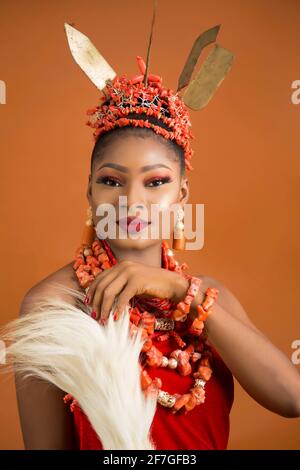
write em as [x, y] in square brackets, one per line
[147, 173]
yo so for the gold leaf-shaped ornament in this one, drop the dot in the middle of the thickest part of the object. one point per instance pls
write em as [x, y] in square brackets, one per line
[89, 58]
[212, 72]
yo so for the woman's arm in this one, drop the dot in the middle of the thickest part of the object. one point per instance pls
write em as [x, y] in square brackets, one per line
[46, 421]
[261, 368]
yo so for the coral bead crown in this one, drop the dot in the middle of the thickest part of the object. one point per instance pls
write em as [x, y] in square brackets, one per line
[144, 96]
[125, 96]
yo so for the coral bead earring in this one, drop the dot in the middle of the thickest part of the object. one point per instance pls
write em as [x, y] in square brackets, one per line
[178, 235]
[89, 229]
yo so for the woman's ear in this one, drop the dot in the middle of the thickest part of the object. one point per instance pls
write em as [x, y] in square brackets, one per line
[184, 191]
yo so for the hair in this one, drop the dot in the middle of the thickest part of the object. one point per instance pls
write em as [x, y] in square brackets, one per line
[144, 132]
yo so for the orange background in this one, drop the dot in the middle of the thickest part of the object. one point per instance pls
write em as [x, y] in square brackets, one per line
[246, 159]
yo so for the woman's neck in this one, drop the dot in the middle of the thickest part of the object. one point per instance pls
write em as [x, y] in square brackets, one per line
[150, 256]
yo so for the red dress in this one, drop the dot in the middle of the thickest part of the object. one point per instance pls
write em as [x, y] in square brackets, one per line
[204, 427]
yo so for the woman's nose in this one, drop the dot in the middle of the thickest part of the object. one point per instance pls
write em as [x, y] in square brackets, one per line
[135, 196]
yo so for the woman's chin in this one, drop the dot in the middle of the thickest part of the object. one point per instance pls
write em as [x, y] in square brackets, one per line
[132, 243]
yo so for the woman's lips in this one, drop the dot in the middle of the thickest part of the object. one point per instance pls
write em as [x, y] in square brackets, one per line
[132, 224]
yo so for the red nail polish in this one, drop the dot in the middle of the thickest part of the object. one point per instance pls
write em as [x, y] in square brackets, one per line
[93, 314]
[86, 300]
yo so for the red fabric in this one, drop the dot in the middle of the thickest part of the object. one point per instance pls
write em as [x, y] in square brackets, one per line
[204, 427]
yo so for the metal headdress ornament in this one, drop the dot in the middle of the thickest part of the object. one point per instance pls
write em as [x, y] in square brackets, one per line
[144, 93]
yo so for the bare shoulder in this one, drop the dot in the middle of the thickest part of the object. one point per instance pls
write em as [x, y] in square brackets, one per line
[48, 286]
[228, 300]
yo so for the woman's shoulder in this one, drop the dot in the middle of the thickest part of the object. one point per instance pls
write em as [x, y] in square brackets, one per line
[50, 286]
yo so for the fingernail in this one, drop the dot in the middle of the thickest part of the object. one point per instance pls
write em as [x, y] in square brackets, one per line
[94, 314]
[115, 316]
[86, 300]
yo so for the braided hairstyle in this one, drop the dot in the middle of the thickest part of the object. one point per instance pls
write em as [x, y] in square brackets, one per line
[143, 132]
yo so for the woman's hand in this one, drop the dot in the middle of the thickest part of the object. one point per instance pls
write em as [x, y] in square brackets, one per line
[127, 279]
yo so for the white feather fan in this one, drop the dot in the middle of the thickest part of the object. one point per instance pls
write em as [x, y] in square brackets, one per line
[98, 365]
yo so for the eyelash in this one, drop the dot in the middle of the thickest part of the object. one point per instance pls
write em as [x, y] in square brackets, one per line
[165, 180]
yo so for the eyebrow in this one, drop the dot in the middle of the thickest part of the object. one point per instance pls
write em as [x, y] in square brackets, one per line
[124, 169]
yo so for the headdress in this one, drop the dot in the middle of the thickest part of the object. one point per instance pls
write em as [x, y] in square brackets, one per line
[144, 93]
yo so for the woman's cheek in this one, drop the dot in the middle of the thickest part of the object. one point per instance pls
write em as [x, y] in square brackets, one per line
[163, 212]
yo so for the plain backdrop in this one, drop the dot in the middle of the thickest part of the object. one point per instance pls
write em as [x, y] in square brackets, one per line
[246, 160]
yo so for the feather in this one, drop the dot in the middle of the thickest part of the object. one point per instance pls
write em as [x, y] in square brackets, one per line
[150, 43]
[98, 365]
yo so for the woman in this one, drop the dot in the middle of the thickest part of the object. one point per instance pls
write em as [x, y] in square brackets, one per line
[149, 168]
[259, 366]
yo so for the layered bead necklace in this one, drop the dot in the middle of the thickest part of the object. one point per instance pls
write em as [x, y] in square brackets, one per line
[192, 356]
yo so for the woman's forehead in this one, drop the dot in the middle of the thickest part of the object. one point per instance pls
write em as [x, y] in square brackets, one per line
[138, 151]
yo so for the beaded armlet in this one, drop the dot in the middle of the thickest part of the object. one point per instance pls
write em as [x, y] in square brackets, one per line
[197, 351]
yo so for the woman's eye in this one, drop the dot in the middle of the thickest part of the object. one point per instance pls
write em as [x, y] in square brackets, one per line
[159, 182]
[109, 181]
[106, 179]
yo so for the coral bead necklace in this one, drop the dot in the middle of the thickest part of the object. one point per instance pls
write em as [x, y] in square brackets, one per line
[161, 320]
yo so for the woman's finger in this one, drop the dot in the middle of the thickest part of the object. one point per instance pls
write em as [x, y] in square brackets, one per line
[128, 292]
[93, 285]
[102, 279]
[101, 287]
[109, 295]
[108, 273]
